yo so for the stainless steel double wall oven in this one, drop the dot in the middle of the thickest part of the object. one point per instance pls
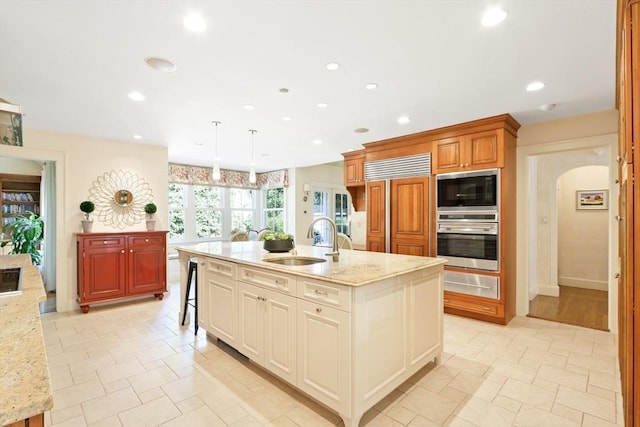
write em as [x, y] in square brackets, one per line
[468, 229]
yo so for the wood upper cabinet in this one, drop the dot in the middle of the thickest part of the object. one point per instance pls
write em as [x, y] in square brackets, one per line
[118, 265]
[354, 169]
[481, 150]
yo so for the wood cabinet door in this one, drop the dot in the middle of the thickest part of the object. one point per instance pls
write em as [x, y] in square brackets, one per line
[324, 356]
[448, 152]
[102, 269]
[376, 216]
[354, 171]
[280, 335]
[250, 340]
[147, 264]
[482, 151]
[221, 307]
[409, 223]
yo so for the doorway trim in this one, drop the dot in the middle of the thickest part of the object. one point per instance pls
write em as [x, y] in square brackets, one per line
[64, 296]
[527, 222]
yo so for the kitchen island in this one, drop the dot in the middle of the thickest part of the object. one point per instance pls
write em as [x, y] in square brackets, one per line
[344, 332]
[25, 385]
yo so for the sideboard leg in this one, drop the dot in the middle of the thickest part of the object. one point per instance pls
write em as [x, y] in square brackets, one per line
[85, 308]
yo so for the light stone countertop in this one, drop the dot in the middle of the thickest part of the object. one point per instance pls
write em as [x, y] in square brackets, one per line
[25, 384]
[354, 268]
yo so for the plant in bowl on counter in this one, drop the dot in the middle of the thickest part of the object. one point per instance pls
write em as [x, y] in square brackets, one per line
[278, 241]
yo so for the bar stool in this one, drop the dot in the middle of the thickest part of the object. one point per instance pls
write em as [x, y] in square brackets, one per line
[193, 271]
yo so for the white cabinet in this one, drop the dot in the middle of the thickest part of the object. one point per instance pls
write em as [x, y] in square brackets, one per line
[267, 329]
[221, 296]
[324, 355]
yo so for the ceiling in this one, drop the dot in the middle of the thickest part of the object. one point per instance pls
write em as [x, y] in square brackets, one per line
[71, 65]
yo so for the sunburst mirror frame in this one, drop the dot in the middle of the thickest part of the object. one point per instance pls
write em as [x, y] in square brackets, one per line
[120, 197]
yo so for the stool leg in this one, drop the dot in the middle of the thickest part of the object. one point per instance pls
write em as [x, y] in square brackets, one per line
[186, 296]
[195, 300]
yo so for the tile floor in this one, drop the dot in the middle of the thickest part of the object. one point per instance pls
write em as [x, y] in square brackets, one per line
[131, 365]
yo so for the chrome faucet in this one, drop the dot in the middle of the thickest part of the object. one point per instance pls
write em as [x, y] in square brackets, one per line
[334, 252]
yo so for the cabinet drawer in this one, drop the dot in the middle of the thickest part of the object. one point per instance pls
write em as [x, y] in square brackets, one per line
[103, 242]
[146, 240]
[222, 268]
[474, 306]
[278, 281]
[324, 293]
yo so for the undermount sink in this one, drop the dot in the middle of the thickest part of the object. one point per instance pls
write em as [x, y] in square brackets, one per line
[299, 260]
[10, 283]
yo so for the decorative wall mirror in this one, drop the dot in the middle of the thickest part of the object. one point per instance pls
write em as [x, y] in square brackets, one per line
[120, 197]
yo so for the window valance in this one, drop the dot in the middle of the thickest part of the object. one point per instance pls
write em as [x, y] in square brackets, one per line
[199, 175]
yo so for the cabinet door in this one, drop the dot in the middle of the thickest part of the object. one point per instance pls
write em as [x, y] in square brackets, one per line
[147, 264]
[221, 305]
[280, 335]
[102, 269]
[482, 151]
[409, 207]
[324, 356]
[354, 171]
[448, 155]
[250, 340]
[376, 216]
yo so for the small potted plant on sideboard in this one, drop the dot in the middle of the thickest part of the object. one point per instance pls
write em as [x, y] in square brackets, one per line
[278, 242]
[87, 207]
[150, 209]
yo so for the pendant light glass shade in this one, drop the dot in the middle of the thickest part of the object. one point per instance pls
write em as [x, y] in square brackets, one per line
[216, 166]
[252, 169]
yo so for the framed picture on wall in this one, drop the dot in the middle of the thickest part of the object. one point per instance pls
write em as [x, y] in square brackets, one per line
[592, 199]
[10, 124]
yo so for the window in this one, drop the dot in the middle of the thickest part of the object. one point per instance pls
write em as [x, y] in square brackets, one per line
[177, 205]
[208, 204]
[242, 208]
[274, 209]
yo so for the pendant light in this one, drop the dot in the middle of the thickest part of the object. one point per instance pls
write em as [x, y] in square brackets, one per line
[216, 164]
[252, 165]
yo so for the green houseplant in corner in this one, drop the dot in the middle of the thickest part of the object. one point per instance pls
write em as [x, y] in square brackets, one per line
[87, 207]
[27, 232]
[150, 209]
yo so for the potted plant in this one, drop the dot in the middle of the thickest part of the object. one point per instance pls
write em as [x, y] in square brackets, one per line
[87, 207]
[26, 231]
[278, 241]
[150, 209]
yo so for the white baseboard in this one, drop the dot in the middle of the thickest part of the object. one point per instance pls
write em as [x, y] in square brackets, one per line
[548, 290]
[577, 282]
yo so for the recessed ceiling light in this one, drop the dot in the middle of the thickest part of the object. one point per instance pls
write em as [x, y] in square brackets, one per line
[403, 120]
[547, 107]
[283, 90]
[322, 105]
[371, 85]
[534, 86]
[332, 66]
[493, 17]
[286, 118]
[136, 96]
[194, 23]
[249, 107]
[160, 64]
[361, 130]
[317, 141]
[137, 136]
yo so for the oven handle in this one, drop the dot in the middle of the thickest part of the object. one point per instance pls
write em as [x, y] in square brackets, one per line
[467, 284]
[468, 230]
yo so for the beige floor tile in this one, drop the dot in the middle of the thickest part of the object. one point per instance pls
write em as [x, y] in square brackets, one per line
[77, 394]
[58, 416]
[528, 394]
[150, 414]
[432, 406]
[152, 379]
[568, 413]
[591, 421]
[534, 417]
[420, 421]
[106, 406]
[587, 403]
[152, 394]
[112, 421]
[201, 417]
[73, 422]
[485, 414]
[563, 377]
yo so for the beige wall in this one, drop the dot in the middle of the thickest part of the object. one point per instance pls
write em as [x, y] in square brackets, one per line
[588, 125]
[20, 166]
[79, 161]
[582, 234]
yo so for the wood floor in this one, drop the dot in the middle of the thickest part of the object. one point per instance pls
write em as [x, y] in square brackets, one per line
[576, 306]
